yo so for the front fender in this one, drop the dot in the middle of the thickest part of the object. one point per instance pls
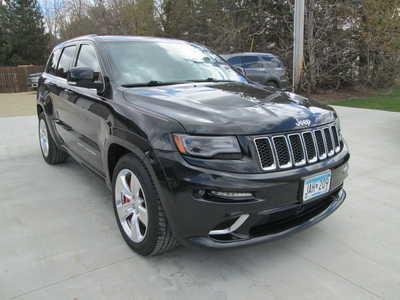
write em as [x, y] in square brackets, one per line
[147, 156]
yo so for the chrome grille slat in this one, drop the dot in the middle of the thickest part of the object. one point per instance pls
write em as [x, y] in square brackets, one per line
[297, 149]
[335, 138]
[282, 152]
[320, 142]
[265, 153]
[310, 146]
[328, 141]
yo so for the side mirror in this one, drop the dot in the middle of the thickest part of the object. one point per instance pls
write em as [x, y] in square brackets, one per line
[240, 70]
[83, 77]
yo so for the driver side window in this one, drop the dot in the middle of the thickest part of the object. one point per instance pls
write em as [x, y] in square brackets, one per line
[87, 58]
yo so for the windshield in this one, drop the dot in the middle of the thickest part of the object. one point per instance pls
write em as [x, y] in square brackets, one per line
[141, 62]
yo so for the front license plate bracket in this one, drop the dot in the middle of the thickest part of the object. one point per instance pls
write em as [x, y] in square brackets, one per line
[316, 185]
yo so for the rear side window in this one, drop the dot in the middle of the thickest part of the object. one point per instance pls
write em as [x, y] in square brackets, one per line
[271, 62]
[251, 62]
[87, 58]
[65, 62]
[235, 60]
[52, 64]
[266, 58]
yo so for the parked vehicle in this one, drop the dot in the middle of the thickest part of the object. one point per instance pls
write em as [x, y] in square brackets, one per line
[263, 68]
[33, 79]
[192, 151]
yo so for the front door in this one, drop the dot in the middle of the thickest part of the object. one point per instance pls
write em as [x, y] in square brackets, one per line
[87, 112]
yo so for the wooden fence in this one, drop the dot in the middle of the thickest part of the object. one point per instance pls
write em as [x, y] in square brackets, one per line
[14, 79]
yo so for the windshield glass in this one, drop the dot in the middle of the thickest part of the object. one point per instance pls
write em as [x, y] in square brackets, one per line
[140, 62]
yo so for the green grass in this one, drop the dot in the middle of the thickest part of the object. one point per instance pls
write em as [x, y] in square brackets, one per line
[390, 102]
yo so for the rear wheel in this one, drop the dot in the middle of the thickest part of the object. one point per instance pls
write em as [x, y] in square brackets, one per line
[51, 153]
[272, 84]
[138, 210]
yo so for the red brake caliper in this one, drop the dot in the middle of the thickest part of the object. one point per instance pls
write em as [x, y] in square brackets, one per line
[125, 199]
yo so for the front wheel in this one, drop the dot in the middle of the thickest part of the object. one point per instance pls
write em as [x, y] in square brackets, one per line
[138, 210]
[51, 153]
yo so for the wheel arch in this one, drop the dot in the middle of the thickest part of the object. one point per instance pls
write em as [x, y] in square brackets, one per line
[119, 147]
[273, 80]
[39, 109]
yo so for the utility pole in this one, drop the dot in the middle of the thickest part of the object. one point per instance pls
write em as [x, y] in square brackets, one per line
[298, 50]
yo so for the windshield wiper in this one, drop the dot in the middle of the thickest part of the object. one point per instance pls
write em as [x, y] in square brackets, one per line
[161, 83]
[150, 83]
[209, 79]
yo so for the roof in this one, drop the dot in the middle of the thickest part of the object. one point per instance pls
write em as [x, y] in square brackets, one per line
[247, 53]
[115, 38]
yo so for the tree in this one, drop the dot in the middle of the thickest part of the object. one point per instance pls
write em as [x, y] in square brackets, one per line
[347, 42]
[22, 33]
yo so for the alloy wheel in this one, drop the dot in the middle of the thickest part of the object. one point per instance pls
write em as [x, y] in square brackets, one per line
[44, 138]
[130, 202]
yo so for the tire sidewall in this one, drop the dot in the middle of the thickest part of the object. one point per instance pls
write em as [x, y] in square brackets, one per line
[49, 139]
[149, 242]
[272, 84]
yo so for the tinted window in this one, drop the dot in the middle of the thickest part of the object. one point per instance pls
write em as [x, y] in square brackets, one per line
[87, 58]
[65, 61]
[235, 60]
[271, 62]
[52, 64]
[266, 58]
[251, 62]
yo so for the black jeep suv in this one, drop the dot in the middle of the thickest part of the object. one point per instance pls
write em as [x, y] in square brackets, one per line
[193, 152]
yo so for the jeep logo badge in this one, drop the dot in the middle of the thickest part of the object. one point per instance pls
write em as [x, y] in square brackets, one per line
[303, 123]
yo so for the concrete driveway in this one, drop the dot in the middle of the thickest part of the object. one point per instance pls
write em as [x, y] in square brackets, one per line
[59, 240]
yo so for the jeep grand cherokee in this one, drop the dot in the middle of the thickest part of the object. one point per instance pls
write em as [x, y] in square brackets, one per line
[193, 152]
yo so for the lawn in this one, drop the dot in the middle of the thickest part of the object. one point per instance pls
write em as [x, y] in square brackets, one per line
[389, 102]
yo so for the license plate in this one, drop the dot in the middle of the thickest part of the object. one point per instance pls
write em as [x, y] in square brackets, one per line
[316, 185]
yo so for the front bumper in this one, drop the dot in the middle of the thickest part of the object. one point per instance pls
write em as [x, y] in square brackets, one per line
[284, 84]
[299, 220]
[275, 211]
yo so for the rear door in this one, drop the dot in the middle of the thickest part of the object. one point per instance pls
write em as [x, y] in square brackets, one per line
[254, 68]
[273, 67]
[62, 114]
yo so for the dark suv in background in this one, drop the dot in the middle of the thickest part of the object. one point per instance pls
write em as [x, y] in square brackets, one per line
[263, 68]
[193, 152]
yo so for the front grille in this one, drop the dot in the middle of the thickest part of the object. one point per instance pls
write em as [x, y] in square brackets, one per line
[320, 144]
[297, 149]
[282, 151]
[329, 143]
[310, 147]
[335, 138]
[296, 144]
[265, 154]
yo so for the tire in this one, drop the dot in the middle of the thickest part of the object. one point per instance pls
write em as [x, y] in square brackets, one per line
[272, 84]
[135, 201]
[51, 153]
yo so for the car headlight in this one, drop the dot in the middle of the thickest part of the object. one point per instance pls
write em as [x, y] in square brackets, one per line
[208, 146]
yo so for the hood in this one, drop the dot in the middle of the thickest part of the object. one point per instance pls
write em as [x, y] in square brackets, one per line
[230, 108]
